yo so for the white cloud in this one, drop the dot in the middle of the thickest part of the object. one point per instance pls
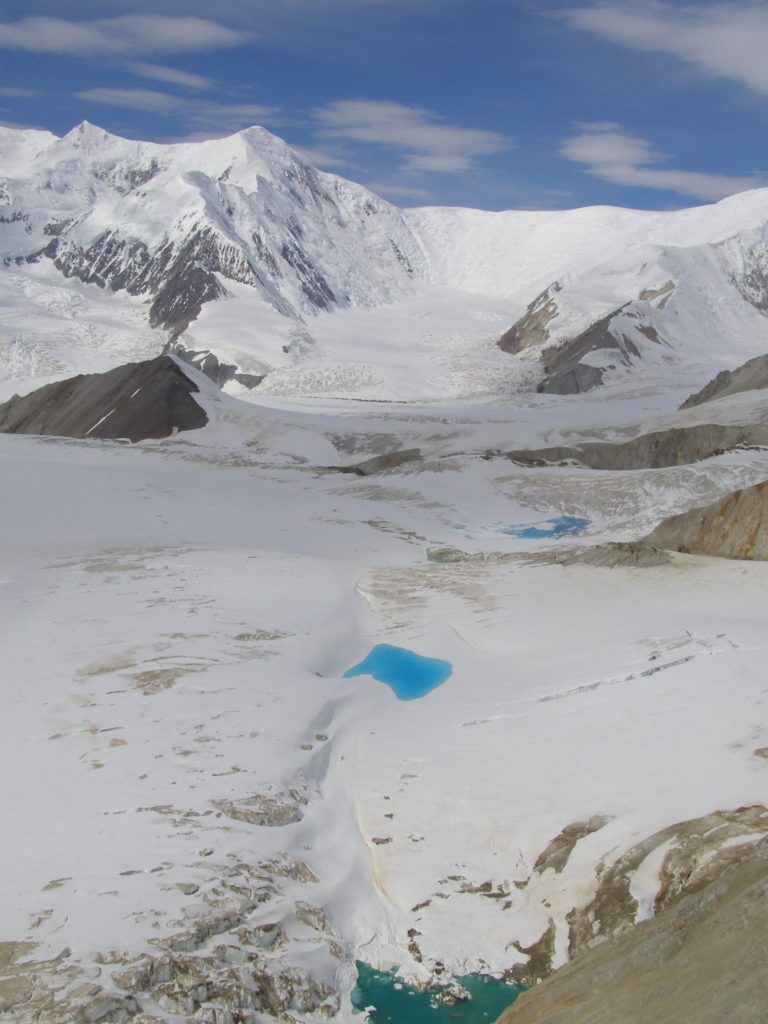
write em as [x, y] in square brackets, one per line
[621, 159]
[173, 76]
[134, 99]
[219, 118]
[424, 140]
[15, 93]
[320, 157]
[728, 40]
[395, 191]
[125, 34]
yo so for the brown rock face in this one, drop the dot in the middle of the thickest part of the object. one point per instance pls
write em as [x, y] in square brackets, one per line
[705, 960]
[734, 527]
[750, 376]
[532, 328]
[677, 446]
[136, 401]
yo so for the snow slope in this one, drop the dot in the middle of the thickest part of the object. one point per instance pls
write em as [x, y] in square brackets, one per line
[207, 819]
[198, 799]
[240, 247]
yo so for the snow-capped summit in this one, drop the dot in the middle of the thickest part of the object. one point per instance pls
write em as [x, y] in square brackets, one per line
[99, 234]
[175, 223]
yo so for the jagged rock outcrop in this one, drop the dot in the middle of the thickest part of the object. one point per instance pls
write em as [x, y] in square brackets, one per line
[215, 369]
[734, 527]
[633, 554]
[750, 376]
[705, 959]
[182, 225]
[677, 446]
[566, 371]
[152, 399]
[382, 463]
[531, 330]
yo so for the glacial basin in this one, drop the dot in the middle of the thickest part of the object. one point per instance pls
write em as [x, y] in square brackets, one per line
[407, 674]
[389, 1000]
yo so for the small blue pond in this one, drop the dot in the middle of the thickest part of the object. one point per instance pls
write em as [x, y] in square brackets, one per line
[409, 675]
[561, 526]
[390, 1001]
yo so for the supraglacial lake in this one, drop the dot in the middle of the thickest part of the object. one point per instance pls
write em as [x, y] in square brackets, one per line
[394, 1002]
[409, 675]
[553, 529]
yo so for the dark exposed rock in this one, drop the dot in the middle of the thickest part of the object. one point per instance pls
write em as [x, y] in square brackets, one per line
[137, 401]
[532, 328]
[629, 554]
[698, 850]
[539, 956]
[703, 959]
[748, 377]
[566, 371]
[209, 364]
[313, 284]
[734, 527]
[556, 855]
[677, 446]
[567, 374]
[572, 381]
[382, 463]
[180, 278]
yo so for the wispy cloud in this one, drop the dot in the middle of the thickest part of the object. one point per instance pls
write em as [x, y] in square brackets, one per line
[132, 99]
[126, 34]
[160, 73]
[423, 139]
[392, 190]
[727, 40]
[611, 155]
[219, 118]
[321, 157]
[13, 93]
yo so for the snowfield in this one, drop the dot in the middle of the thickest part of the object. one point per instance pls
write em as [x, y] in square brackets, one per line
[189, 772]
[203, 820]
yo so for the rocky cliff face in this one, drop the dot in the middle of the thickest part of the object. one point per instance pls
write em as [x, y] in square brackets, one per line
[643, 307]
[750, 376]
[137, 401]
[676, 446]
[705, 959]
[735, 527]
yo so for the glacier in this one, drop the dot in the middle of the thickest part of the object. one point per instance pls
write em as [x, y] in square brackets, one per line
[206, 820]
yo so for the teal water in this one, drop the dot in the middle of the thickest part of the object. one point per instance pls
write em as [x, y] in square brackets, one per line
[409, 675]
[561, 526]
[395, 1002]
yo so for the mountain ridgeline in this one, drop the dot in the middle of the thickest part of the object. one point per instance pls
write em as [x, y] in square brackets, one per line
[594, 294]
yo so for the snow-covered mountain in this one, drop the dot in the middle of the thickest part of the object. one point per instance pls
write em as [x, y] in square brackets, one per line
[112, 249]
[214, 815]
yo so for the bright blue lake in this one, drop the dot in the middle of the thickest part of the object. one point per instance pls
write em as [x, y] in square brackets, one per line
[409, 675]
[398, 1003]
[561, 526]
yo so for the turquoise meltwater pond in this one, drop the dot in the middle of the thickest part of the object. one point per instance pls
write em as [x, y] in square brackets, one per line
[390, 1001]
[551, 529]
[409, 675]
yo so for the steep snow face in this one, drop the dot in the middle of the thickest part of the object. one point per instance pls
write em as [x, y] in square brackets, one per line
[178, 223]
[112, 248]
[653, 307]
[517, 253]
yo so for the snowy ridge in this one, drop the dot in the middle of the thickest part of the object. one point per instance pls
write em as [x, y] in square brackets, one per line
[178, 222]
[239, 247]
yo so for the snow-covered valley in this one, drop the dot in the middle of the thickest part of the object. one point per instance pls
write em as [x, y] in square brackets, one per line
[204, 820]
[192, 783]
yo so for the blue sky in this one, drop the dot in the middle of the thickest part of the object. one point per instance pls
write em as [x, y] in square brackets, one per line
[488, 103]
